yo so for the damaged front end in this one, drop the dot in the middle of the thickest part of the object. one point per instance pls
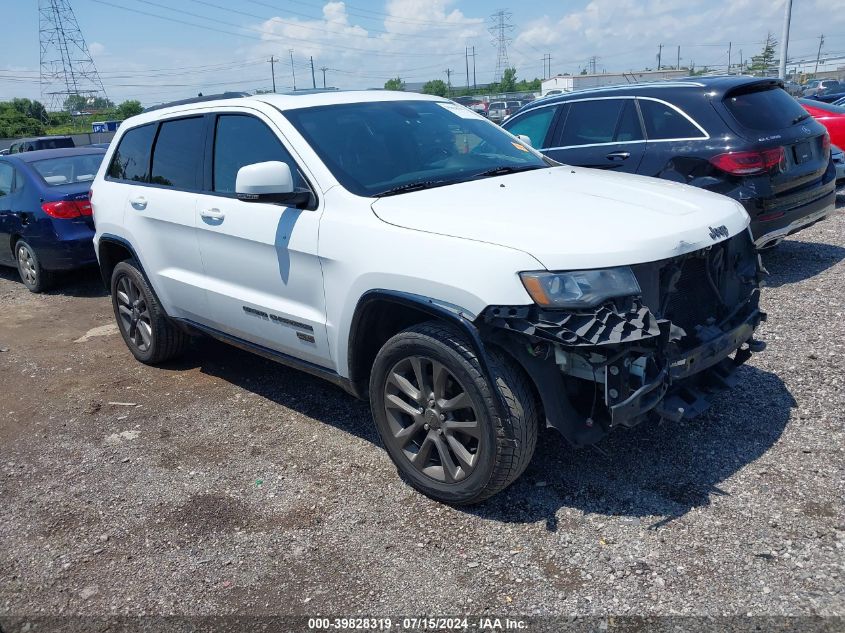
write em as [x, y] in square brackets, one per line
[660, 354]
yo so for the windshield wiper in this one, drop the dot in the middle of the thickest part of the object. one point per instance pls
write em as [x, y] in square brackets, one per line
[800, 118]
[502, 170]
[412, 186]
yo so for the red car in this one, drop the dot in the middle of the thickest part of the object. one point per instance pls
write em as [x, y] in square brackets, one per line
[830, 116]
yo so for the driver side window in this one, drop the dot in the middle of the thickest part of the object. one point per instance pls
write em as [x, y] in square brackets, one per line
[241, 140]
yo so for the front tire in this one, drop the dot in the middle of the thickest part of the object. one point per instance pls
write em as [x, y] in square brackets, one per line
[33, 276]
[148, 333]
[438, 416]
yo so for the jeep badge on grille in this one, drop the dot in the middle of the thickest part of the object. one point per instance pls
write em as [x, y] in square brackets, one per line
[719, 231]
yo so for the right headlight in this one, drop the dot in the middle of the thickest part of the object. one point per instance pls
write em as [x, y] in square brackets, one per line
[580, 288]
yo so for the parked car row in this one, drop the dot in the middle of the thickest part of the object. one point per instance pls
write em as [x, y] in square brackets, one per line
[40, 142]
[407, 249]
[742, 137]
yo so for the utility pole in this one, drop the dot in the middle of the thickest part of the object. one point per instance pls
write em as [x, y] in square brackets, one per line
[729, 57]
[659, 55]
[819, 55]
[324, 69]
[273, 71]
[292, 71]
[740, 61]
[466, 59]
[784, 38]
[474, 83]
[448, 82]
[313, 79]
[547, 58]
[678, 67]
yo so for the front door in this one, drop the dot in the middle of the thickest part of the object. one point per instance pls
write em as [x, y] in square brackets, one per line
[263, 275]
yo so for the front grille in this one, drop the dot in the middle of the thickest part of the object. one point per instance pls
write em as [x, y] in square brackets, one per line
[693, 302]
[680, 290]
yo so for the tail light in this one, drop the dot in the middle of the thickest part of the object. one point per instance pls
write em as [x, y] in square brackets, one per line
[826, 144]
[67, 209]
[748, 163]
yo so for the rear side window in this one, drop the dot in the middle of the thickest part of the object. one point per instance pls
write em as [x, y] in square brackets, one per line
[7, 179]
[663, 122]
[131, 160]
[534, 124]
[591, 122]
[178, 153]
[629, 128]
[767, 109]
[243, 140]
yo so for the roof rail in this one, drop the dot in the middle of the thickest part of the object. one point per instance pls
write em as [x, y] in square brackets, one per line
[199, 99]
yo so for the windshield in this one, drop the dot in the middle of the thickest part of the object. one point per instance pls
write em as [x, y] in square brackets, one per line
[68, 169]
[375, 148]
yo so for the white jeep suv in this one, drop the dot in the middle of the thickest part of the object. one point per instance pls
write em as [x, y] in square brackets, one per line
[407, 249]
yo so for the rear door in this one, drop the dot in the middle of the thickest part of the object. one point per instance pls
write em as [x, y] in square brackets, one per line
[263, 274]
[160, 213]
[603, 133]
[8, 220]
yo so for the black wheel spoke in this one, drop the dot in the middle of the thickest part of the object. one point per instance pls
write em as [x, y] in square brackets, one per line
[433, 421]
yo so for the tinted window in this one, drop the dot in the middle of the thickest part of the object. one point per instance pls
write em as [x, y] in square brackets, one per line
[629, 128]
[590, 122]
[131, 160]
[53, 143]
[664, 122]
[7, 178]
[177, 157]
[68, 169]
[243, 140]
[534, 124]
[767, 109]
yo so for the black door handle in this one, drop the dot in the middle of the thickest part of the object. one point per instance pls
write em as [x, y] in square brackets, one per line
[618, 155]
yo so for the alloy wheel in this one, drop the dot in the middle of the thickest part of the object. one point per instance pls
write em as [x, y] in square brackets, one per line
[134, 314]
[26, 264]
[432, 419]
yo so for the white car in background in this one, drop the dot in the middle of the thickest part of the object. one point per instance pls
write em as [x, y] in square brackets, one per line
[407, 249]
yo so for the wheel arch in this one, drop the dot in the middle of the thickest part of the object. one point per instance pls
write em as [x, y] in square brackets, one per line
[111, 250]
[381, 314]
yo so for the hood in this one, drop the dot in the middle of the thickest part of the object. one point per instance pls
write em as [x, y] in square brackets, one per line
[571, 218]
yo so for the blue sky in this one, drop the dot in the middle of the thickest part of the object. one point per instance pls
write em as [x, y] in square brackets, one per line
[166, 49]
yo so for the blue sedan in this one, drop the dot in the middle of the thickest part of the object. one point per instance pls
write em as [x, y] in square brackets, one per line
[46, 224]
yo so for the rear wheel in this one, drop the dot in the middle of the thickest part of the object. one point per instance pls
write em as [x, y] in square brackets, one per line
[149, 334]
[438, 416]
[33, 276]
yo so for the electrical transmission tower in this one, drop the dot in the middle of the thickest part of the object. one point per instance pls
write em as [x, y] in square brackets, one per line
[500, 29]
[67, 69]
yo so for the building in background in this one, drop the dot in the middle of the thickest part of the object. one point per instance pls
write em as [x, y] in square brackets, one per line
[570, 83]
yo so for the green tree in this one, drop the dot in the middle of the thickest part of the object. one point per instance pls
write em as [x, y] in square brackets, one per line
[394, 84]
[508, 83]
[14, 124]
[435, 87]
[766, 58]
[31, 109]
[129, 108]
[79, 103]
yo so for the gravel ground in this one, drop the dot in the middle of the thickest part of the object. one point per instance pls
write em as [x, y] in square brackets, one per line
[225, 484]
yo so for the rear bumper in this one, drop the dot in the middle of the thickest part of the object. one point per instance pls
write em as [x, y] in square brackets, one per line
[770, 232]
[65, 254]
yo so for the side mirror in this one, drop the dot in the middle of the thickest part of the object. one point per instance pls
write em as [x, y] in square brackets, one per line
[269, 182]
[524, 139]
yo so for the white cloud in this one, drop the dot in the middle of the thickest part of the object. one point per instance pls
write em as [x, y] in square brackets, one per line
[96, 49]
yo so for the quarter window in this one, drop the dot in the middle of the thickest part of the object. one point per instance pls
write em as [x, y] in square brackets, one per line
[7, 179]
[243, 140]
[629, 128]
[177, 156]
[591, 122]
[131, 160]
[534, 124]
[664, 122]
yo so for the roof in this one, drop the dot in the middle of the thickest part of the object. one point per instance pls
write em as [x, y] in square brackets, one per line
[40, 138]
[41, 154]
[299, 99]
[716, 86]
